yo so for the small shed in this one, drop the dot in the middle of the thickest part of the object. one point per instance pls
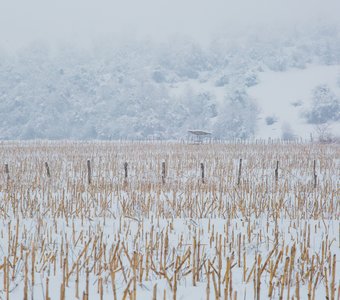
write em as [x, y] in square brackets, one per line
[198, 136]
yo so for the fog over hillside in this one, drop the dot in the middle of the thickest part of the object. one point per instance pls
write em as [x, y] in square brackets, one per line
[105, 70]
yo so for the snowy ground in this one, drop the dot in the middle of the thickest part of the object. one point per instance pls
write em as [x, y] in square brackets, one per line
[139, 238]
[286, 95]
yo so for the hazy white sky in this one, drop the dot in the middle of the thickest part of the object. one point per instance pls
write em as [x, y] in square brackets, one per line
[22, 21]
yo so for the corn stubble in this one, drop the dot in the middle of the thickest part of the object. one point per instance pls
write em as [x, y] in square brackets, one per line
[159, 220]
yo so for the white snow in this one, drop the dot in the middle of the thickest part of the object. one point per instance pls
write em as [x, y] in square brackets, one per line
[277, 91]
[59, 215]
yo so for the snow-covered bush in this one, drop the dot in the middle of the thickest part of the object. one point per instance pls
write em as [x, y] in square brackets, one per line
[287, 132]
[296, 103]
[222, 81]
[237, 119]
[323, 133]
[251, 80]
[270, 120]
[158, 76]
[325, 106]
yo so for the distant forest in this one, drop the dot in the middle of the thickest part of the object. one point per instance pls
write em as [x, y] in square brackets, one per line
[142, 89]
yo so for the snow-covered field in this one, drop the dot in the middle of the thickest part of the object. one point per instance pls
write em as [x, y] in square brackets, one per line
[249, 234]
[287, 95]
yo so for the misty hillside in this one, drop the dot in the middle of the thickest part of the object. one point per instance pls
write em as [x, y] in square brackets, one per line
[142, 89]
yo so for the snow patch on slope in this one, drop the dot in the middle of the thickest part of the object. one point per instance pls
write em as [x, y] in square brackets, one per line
[286, 95]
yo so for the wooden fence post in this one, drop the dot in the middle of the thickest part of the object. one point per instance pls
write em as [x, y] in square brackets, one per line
[7, 171]
[315, 175]
[126, 170]
[88, 171]
[202, 172]
[163, 172]
[277, 171]
[239, 172]
[47, 170]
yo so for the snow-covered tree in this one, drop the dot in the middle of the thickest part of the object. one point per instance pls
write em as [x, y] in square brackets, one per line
[237, 118]
[325, 106]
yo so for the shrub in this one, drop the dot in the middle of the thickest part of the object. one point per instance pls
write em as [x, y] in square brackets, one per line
[325, 106]
[270, 120]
